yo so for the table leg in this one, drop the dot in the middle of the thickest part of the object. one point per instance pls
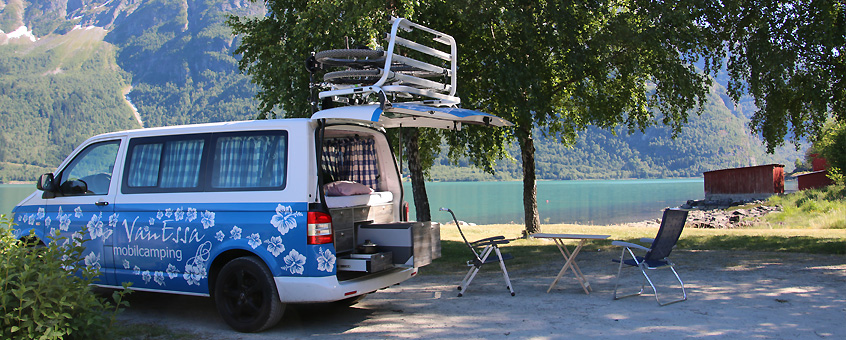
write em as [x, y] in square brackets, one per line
[570, 264]
[578, 271]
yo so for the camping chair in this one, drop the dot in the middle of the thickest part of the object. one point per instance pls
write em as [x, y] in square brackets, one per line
[491, 244]
[656, 256]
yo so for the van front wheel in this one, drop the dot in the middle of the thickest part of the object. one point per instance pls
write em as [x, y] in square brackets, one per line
[246, 297]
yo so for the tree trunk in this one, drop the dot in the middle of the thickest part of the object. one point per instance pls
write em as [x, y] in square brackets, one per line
[530, 188]
[418, 184]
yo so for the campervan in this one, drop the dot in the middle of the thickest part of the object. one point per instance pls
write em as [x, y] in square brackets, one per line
[255, 214]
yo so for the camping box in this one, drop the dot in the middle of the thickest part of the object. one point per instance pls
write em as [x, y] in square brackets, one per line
[412, 243]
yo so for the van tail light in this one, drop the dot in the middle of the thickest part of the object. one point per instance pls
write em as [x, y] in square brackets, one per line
[405, 211]
[319, 228]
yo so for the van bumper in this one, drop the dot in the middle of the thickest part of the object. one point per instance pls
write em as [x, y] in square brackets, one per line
[328, 288]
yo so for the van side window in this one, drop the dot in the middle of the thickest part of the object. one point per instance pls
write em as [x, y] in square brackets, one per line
[92, 167]
[164, 165]
[249, 161]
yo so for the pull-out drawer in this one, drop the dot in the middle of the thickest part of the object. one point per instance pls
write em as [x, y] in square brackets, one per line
[370, 263]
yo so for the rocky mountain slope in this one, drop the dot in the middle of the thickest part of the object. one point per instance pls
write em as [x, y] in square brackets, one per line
[70, 69]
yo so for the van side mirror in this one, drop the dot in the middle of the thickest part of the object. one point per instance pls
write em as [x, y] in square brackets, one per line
[47, 184]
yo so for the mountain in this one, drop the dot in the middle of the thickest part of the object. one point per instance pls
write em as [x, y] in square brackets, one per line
[71, 69]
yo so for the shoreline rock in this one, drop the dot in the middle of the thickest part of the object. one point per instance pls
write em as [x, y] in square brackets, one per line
[716, 214]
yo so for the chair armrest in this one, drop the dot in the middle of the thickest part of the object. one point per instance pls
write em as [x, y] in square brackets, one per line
[490, 240]
[629, 245]
[647, 240]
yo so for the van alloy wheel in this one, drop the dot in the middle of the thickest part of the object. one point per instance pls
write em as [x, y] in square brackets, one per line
[246, 296]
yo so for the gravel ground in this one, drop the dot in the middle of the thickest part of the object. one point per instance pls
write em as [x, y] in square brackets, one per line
[730, 295]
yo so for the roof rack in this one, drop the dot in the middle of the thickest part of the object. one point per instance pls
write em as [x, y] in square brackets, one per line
[395, 76]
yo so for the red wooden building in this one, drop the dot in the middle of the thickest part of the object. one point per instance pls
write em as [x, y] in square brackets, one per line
[747, 183]
[816, 179]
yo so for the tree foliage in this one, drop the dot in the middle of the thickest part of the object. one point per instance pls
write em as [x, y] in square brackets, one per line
[790, 56]
[274, 47]
[832, 147]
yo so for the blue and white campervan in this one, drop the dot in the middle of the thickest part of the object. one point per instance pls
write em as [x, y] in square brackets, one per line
[255, 214]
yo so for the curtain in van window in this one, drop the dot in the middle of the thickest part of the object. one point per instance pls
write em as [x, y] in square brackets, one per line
[352, 159]
[249, 162]
[144, 167]
[181, 164]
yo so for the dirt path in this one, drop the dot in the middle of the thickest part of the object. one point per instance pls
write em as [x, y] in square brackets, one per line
[731, 295]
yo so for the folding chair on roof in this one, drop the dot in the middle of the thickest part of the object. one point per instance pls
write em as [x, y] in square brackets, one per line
[480, 258]
[656, 256]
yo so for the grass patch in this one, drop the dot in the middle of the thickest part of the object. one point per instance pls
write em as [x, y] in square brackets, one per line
[823, 208]
[529, 252]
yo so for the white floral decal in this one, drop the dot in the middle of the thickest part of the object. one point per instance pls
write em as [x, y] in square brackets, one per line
[168, 212]
[255, 240]
[179, 214]
[294, 262]
[136, 270]
[40, 214]
[158, 277]
[325, 260]
[285, 219]
[77, 212]
[113, 221]
[152, 221]
[172, 272]
[159, 214]
[195, 267]
[96, 229]
[208, 219]
[47, 221]
[92, 261]
[220, 235]
[146, 276]
[275, 246]
[192, 214]
[59, 215]
[236, 233]
[126, 264]
[64, 222]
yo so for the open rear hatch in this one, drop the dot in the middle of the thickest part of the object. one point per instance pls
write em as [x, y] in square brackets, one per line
[404, 244]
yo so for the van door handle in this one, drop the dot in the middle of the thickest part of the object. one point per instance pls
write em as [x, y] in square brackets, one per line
[101, 203]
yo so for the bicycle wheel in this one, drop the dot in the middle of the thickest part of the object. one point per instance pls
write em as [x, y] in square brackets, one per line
[353, 76]
[351, 57]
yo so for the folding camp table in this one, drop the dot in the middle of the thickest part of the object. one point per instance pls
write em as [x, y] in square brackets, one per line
[570, 258]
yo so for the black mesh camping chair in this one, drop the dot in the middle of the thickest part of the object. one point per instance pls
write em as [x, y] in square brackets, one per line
[656, 256]
[480, 258]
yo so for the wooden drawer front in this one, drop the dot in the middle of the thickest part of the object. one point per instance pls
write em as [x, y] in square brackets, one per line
[344, 240]
[342, 218]
[377, 214]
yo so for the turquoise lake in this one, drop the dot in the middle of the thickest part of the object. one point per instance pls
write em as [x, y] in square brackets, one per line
[597, 202]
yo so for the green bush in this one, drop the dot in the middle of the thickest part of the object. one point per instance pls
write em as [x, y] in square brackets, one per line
[45, 293]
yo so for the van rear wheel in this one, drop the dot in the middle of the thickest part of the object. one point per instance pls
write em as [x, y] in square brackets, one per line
[246, 297]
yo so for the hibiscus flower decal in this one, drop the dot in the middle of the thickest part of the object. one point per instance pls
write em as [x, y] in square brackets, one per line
[285, 219]
[208, 219]
[236, 233]
[294, 262]
[172, 272]
[255, 240]
[325, 260]
[275, 246]
[158, 277]
[192, 214]
[92, 261]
